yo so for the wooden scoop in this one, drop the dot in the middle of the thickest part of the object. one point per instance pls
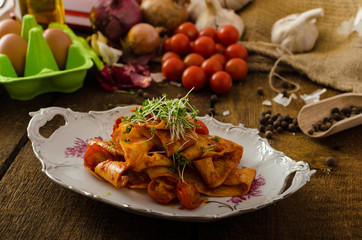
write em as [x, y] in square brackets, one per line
[312, 113]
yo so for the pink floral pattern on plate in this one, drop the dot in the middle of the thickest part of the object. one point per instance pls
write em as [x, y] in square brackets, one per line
[79, 148]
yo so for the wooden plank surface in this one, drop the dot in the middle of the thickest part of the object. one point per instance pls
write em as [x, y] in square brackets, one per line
[328, 207]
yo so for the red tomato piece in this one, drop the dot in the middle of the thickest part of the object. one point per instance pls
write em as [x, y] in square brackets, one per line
[162, 189]
[168, 55]
[220, 82]
[236, 51]
[204, 46]
[180, 44]
[193, 59]
[210, 66]
[187, 194]
[237, 68]
[200, 127]
[173, 68]
[194, 77]
[228, 34]
[189, 29]
[209, 32]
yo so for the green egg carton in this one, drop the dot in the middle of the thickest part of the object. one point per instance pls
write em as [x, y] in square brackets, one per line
[41, 74]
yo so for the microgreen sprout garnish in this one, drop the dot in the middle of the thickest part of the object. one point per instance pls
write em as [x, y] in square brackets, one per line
[153, 131]
[112, 143]
[179, 163]
[177, 114]
[127, 140]
[128, 129]
[216, 139]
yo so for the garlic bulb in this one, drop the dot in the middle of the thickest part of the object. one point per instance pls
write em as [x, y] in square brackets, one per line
[196, 7]
[234, 4]
[297, 32]
[215, 16]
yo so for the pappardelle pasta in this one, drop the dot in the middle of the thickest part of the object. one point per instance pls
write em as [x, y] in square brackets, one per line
[163, 148]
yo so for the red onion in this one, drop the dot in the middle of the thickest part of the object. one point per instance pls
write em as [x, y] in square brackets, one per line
[114, 18]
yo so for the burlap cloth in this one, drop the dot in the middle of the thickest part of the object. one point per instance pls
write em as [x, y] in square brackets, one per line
[335, 61]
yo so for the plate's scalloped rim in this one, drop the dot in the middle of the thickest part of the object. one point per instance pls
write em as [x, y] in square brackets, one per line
[40, 117]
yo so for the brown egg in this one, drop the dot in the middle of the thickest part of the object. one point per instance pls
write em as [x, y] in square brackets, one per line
[9, 26]
[15, 48]
[59, 43]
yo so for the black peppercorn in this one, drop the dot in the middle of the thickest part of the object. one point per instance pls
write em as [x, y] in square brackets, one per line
[269, 134]
[260, 91]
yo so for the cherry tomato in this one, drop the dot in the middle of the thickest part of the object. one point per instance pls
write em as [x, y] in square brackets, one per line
[187, 194]
[168, 55]
[180, 44]
[201, 127]
[220, 57]
[210, 66]
[236, 51]
[237, 68]
[193, 59]
[162, 189]
[166, 45]
[173, 68]
[189, 29]
[220, 82]
[194, 77]
[228, 34]
[204, 46]
[219, 48]
[209, 32]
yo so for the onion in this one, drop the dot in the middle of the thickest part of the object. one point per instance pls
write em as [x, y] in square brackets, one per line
[114, 18]
[165, 13]
[142, 39]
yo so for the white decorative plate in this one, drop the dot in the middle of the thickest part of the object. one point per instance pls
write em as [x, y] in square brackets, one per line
[61, 156]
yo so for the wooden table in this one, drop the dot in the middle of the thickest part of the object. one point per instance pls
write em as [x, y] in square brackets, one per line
[34, 207]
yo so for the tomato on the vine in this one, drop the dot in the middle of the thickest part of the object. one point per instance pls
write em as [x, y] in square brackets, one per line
[237, 68]
[189, 29]
[220, 82]
[210, 66]
[173, 68]
[228, 34]
[204, 46]
[193, 59]
[180, 44]
[194, 77]
[236, 51]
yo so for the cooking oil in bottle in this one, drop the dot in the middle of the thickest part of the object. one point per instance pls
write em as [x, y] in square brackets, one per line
[44, 11]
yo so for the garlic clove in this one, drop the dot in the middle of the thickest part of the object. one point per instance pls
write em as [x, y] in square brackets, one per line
[297, 32]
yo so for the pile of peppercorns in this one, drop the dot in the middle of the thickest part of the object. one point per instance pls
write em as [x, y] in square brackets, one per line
[337, 114]
[276, 123]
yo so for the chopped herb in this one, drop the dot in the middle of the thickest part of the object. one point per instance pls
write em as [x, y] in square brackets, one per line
[112, 143]
[127, 140]
[202, 148]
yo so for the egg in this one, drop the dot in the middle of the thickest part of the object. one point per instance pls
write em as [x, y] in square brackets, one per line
[13, 46]
[59, 43]
[9, 26]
